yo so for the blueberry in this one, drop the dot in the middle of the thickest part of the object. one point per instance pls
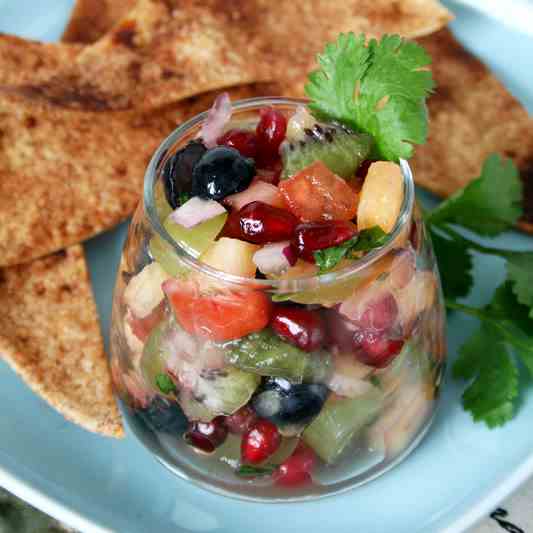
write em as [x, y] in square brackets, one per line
[178, 170]
[220, 172]
[163, 415]
[290, 406]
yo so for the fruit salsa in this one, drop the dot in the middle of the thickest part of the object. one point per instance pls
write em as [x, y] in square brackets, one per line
[281, 334]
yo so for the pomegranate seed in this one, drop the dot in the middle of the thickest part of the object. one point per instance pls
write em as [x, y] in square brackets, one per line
[376, 349]
[380, 314]
[315, 236]
[260, 223]
[296, 470]
[270, 132]
[243, 141]
[241, 421]
[206, 436]
[362, 171]
[299, 326]
[260, 442]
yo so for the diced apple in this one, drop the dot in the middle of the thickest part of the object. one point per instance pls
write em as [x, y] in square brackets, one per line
[349, 377]
[232, 256]
[418, 296]
[143, 292]
[381, 197]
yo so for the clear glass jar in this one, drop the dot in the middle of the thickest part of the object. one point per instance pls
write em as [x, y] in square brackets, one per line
[368, 418]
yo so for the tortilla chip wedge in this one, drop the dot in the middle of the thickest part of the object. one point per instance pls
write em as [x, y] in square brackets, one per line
[49, 334]
[164, 50]
[90, 19]
[471, 116]
[67, 175]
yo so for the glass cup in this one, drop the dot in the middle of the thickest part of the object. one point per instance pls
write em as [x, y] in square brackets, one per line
[179, 392]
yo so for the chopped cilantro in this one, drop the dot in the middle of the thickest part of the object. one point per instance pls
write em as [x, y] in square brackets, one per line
[164, 383]
[379, 88]
[183, 198]
[254, 471]
[366, 240]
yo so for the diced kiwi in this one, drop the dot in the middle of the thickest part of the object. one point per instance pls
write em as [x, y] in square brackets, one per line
[154, 357]
[195, 240]
[341, 151]
[338, 423]
[265, 354]
[218, 392]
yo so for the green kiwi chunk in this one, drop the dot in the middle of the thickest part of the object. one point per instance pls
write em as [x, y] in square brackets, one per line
[342, 152]
[339, 422]
[265, 354]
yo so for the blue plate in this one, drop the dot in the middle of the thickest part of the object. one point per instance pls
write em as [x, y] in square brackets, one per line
[457, 475]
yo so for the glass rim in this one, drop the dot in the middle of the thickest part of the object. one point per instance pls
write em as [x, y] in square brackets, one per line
[274, 285]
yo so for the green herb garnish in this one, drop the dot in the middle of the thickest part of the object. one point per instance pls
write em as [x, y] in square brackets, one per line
[379, 88]
[255, 471]
[366, 240]
[164, 383]
[489, 205]
[183, 198]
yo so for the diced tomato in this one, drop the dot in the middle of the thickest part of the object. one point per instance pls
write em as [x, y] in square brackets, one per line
[316, 193]
[219, 316]
[142, 327]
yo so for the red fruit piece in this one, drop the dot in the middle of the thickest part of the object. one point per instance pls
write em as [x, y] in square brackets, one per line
[207, 436]
[316, 193]
[270, 132]
[260, 442]
[245, 142]
[219, 316]
[376, 349]
[380, 314]
[142, 327]
[296, 470]
[299, 326]
[241, 421]
[315, 236]
[260, 223]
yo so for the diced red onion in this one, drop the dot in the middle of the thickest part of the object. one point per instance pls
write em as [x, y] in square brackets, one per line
[217, 118]
[258, 191]
[271, 258]
[196, 210]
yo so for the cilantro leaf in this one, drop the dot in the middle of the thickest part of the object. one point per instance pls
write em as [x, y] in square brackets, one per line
[366, 240]
[183, 198]
[514, 322]
[455, 265]
[485, 360]
[370, 238]
[379, 89]
[488, 205]
[520, 273]
[164, 383]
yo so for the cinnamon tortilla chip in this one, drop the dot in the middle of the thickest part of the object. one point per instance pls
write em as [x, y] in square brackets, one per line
[471, 116]
[162, 51]
[67, 175]
[49, 334]
[90, 19]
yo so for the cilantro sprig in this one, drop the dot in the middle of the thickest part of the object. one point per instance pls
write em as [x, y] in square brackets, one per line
[379, 88]
[487, 206]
